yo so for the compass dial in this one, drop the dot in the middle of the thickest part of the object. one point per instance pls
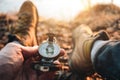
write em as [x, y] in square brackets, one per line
[49, 50]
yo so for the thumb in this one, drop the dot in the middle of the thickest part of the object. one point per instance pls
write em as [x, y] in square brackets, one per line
[29, 51]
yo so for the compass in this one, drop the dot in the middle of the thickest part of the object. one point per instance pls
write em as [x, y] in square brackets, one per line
[49, 49]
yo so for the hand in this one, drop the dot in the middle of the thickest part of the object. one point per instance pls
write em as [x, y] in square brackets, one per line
[51, 75]
[13, 63]
[27, 71]
[12, 58]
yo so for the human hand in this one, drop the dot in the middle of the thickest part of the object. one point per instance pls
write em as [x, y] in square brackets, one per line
[12, 58]
[16, 60]
[32, 74]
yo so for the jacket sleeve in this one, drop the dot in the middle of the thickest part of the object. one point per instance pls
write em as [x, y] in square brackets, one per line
[11, 60]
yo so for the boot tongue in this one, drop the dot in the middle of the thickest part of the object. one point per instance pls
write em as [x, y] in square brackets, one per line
[88, 44]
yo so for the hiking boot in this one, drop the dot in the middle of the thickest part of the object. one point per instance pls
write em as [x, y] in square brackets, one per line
[26, 26]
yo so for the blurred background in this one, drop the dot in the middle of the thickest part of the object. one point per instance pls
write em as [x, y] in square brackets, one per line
[62, 17]
[59, 9]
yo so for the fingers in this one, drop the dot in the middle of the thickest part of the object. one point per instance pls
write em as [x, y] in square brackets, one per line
[29, 51]
[56, 62]
[62, 60]
[62, 52]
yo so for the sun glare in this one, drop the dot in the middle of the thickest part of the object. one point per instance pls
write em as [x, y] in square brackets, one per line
[59, 9]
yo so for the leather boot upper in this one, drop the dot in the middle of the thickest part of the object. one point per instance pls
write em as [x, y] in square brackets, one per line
[26, 27]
